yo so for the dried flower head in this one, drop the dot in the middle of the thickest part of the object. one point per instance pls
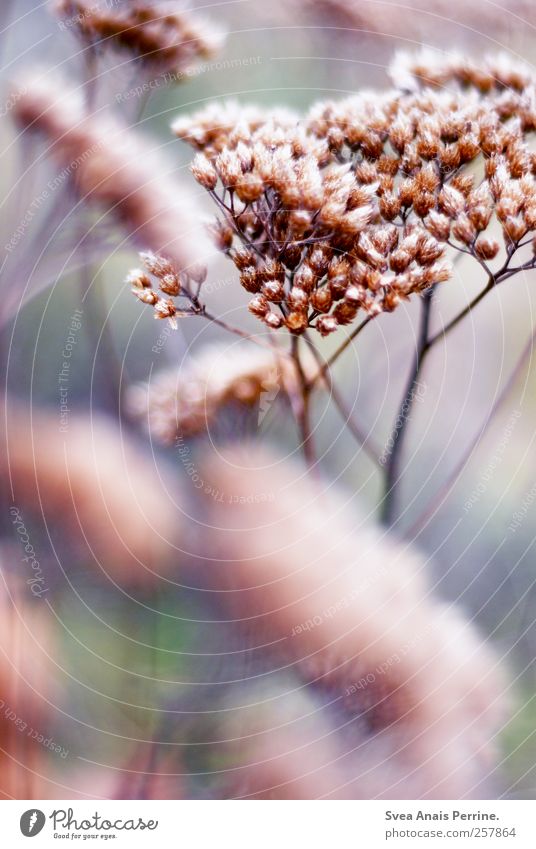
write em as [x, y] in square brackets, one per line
[114, 167]
[352, 210]
[186, 402]
[171, 282]
[163, 36]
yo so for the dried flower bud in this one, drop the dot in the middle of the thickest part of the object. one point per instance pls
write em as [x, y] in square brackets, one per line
[157, 264]
[514, 229]
[326, 324]
[298, 299]
[250, 279]
[222, 235]
[138, 279]
[244, 258]
[197, 272]
[451, 201]
[273, 290]
[296, 322]
[486, 248]
[249, 187]
[273, 320]
[344, 312]
[438, 225]
[305, 278]
[463, 229]
[170, 285]
[259, 306]
[322, 299]
[204, 171]
[166, 309]
[146, 296]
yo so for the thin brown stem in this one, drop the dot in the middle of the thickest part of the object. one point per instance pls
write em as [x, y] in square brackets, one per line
[237, 332]
[492, 282]
[438, 498]
[392, 466]
[302, 408]
[340, 350]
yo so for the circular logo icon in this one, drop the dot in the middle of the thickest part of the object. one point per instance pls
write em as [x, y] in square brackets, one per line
[32, 822]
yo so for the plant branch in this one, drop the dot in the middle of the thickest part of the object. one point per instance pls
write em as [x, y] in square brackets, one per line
[438, 498]
[392, 468]
[302, 408]
[340, 350]
[492, 282]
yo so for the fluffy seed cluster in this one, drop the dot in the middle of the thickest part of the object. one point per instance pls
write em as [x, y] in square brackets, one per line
[171, 282]
[163, 36]
[186, 402]
[114, 167]
[352, 210]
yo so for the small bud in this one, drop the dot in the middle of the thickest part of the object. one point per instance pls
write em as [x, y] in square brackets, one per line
[298, 299]
[146, 296]
[198, 272]
[249, 187]
[170, 285]
[322, 299]
[486, 248]
[259, 306]
[138, 279]
[273, 290]
[221, 234]
[204, 171]
[296, 322]
[273, 320]
[250, 279]
[326, 324]
[166, 309]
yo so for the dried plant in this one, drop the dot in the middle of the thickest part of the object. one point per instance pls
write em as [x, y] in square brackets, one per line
[351, 211]
[350, 609]
[416, 19]
[29, 679]
[330, 220]
[163, 36]
[116, 168]
[186, 402]
[108, 494]
[340, 216]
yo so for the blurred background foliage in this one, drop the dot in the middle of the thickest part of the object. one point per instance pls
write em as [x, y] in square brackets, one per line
[137, 660]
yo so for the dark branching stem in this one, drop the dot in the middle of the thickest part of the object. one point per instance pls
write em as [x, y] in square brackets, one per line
[392, 465]
[302, 408]
[436, 501]
[340, 350]
[461, 315]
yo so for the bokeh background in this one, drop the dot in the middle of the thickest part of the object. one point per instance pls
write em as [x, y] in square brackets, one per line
[130, 651]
